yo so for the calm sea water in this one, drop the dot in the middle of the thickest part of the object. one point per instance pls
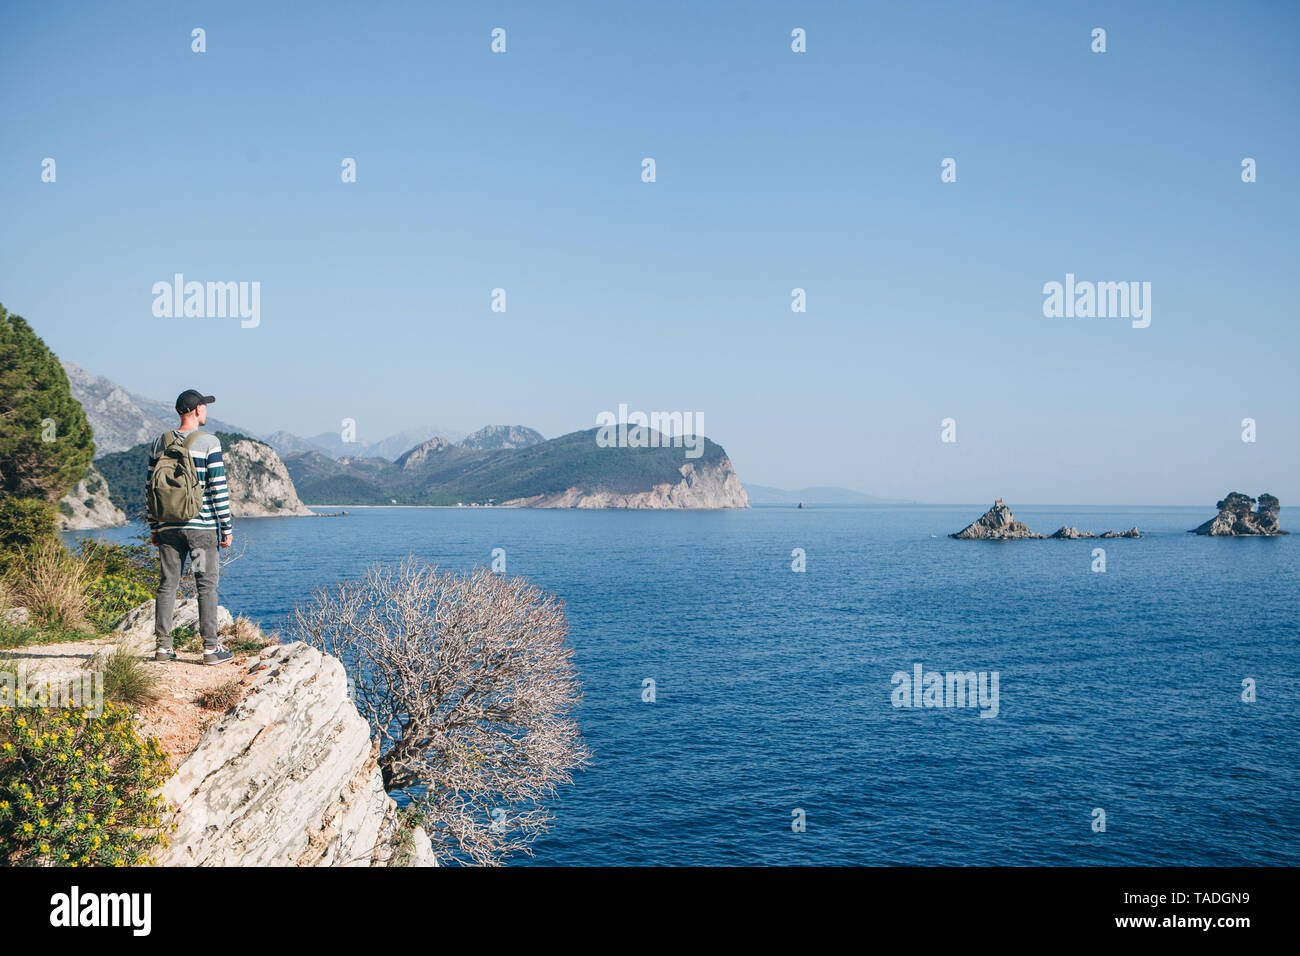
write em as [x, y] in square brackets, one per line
[1118, 690]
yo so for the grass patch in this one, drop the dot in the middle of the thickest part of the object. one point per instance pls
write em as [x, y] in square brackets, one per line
[222, 697]
[187, 638]
[24, 635]
[52, 585]
[402, 847]
[128, 679]
[243, 636]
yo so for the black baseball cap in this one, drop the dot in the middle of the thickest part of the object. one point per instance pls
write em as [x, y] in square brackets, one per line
[189, 400]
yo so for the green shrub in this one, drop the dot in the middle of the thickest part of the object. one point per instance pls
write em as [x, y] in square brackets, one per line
[78, 790]
[186, 638]
[242, 645]
[111, 596]
[402, 842]
[138, 562]
[123, 576]
[242, 635]
[68, 591]
[23, 523]
[128, 678]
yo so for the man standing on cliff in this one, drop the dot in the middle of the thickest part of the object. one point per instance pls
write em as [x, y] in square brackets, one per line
[199, 536]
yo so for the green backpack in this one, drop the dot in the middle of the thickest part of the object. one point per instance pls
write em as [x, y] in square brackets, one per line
[173, 492]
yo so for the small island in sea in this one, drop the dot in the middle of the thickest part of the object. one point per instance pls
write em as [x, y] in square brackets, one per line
[1235, 516]
[999, 524]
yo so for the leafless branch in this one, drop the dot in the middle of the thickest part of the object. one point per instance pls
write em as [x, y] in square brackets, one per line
[469, 685]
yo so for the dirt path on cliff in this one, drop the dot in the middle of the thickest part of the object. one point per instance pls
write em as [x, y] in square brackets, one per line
[176, 717]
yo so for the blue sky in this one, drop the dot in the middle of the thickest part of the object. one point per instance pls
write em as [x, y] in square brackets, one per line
[775, 170]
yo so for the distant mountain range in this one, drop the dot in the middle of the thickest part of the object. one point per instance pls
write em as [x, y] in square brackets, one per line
[122, 419]
[287, 443]
[392, 447]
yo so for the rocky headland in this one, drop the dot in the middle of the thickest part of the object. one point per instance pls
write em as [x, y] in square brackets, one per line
[89, 506]
[1235, 516]
[702, 486]
[502, 466]
[999, 524]
[258, 482]
[288, 777]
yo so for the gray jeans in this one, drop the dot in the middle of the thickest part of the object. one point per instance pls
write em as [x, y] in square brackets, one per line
[173, 546]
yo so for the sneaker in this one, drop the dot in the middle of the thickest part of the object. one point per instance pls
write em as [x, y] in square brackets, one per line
[164, 654]
[217, 655]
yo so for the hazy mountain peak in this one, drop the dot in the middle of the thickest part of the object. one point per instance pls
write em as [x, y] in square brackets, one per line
[117, 419]
[421, 452]
[121, 419]
[493, 437]
[287, 443]
[391, 447]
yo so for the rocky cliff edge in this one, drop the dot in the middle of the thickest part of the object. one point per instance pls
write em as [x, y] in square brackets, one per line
[287, 776]
[88, 505]
[258, 482]
[711, 485]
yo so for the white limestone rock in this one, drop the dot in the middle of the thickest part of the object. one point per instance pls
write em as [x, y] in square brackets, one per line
[714, 485]
[258, 482]
[288, 777]
[88, 505]
[136, 626]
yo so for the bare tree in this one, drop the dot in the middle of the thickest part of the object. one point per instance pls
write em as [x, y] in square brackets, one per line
[469, 685]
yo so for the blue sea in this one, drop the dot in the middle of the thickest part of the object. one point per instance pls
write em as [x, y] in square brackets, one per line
[1118, 691]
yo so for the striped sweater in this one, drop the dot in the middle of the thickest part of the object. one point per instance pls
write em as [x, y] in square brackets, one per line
[206, 452]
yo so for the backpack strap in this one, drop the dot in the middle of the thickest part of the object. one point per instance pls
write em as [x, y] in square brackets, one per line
[171, 438]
